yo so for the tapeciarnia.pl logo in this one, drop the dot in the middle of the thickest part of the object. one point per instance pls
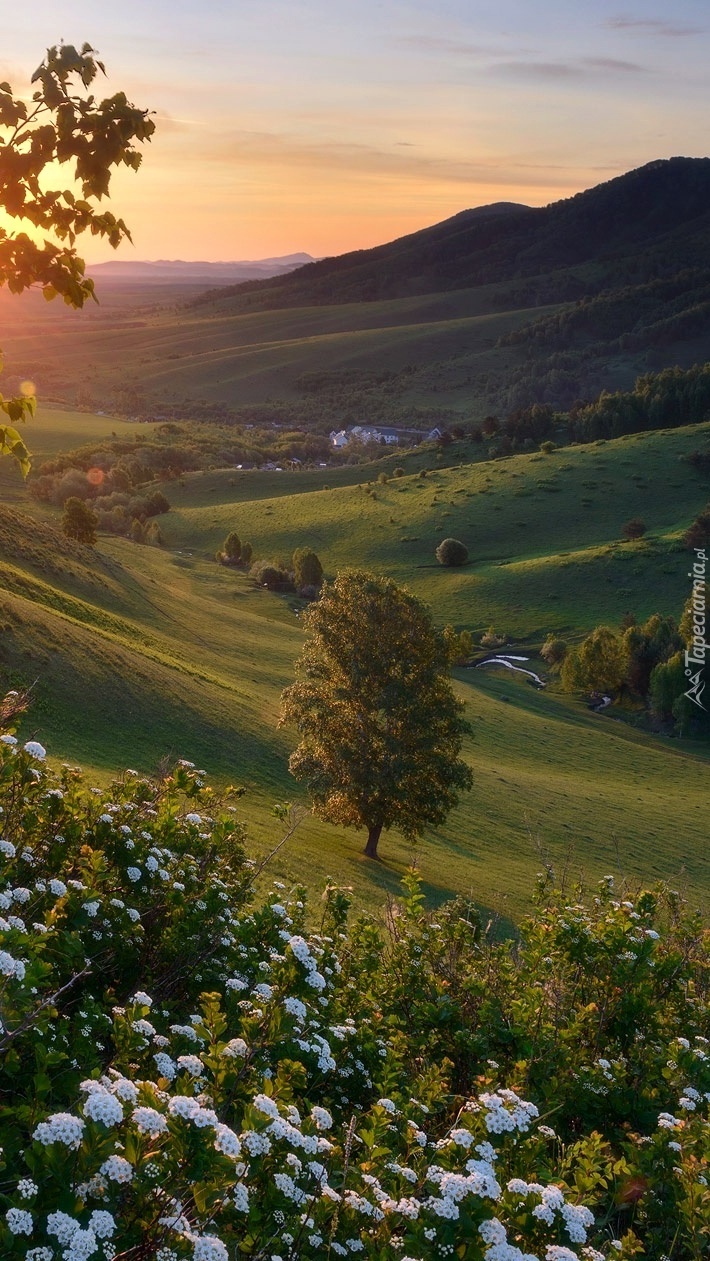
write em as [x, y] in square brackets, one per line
[695, 654]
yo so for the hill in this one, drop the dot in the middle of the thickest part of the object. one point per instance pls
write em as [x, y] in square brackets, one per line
[648, 222]
[494, 310]
[195, 271]
[173, 655]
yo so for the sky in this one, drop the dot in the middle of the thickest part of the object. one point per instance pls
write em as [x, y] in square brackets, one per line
[331, 125]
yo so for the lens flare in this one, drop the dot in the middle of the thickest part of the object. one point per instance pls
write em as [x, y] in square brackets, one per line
[95, 476]
[27, 389]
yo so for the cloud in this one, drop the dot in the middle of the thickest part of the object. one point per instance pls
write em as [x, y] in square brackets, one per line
[612, 63]
[458, 48]
[654, 26]
[537, 69]
[167, 125]
[584, 67]
[280, 151]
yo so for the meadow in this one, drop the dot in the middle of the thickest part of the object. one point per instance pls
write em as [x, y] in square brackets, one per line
[141, 653]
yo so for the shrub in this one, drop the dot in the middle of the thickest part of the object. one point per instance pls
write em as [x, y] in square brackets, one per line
[459, 645]
[634, 529]
[491, 638]
[553, 652]
[395, 1080]
[266, 574]
[698, 533]
[398, 472]
[307, 569]
[452, 552]
[232, 549]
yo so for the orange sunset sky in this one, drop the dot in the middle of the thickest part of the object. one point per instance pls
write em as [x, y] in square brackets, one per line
[333, 126]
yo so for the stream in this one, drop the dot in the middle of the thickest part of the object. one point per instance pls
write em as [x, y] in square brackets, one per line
[507, 659]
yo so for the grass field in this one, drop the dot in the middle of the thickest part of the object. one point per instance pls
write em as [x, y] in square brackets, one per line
[235, 357]
[543, 531]
[143, 653]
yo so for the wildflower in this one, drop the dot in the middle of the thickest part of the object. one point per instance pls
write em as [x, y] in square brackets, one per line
[36, 750]
[102, 1106]
[27, 1188]
[11, 967]
[321, 1118]
[227, 1142]
[256, 1144]
[209, 1248]
[19, 1221]
[117, 1169]
[240, 1198]
[192, 1064]
[148, 1121]
[62, 1225]
[388, 1106]
[236, 1047]
[165, 1065]
[60, 1128]
[125, 1090]
[266, 1105]
[102, 1224]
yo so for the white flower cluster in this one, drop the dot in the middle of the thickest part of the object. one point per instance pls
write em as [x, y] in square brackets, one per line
[506, 1112]
[576, 1217]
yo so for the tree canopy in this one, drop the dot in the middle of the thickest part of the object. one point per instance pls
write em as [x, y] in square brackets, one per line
[79, 522]
[380, 727]
[63, 123]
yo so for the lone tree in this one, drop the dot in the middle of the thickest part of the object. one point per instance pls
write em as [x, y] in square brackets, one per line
[452, 552]
[307, 569]
[232, 549]
[62, 124]
[634, 529]
[79, 521]
[380, 727]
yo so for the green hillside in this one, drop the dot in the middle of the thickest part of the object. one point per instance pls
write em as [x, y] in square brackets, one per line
[543, 531]
[142, 653]
[492, 310]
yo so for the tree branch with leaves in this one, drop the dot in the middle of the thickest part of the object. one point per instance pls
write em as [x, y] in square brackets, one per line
[62, 124]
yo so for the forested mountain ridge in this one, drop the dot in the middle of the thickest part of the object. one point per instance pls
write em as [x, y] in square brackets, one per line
[649, 222]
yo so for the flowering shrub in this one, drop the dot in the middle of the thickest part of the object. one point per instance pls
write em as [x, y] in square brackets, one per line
[189, 1071]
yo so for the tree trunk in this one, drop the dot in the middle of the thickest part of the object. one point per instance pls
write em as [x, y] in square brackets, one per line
[373, 837]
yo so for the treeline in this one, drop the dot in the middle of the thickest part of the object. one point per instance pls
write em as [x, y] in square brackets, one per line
[659, 400]
[642, 663]
[628, 318]
[303, 573]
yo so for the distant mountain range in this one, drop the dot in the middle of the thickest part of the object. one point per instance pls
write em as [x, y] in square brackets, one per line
[651, 222]
[197, 272]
